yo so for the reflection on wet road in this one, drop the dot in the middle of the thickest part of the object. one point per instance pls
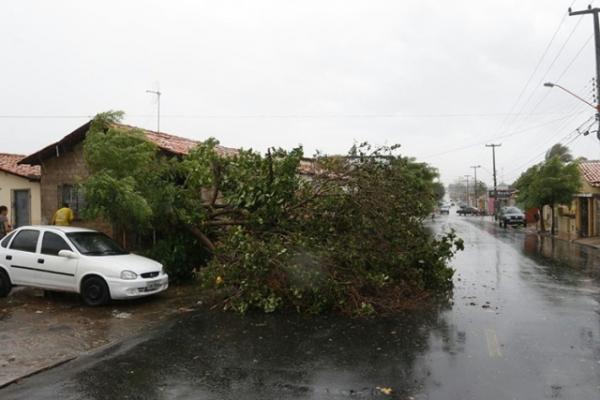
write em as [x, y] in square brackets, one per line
[524, 324]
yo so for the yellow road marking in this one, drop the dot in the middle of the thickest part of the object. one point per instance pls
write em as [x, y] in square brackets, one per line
[492, 343]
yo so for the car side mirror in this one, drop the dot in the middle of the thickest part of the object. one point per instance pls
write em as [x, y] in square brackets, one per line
[67, 254]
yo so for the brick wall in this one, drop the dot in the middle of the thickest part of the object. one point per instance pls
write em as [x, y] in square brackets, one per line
[67, 169]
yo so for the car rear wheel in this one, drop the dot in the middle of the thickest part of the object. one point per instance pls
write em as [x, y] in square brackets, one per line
[5, 284]
[94, 291]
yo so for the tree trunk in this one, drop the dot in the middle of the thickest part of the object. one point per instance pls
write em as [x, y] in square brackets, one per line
[202, 237]
[552, 222]
[542, 224]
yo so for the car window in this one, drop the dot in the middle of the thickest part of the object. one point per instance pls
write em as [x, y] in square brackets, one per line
[6, 239]
[95, 244]
[26, 240]
[53, 243]
[512, 210]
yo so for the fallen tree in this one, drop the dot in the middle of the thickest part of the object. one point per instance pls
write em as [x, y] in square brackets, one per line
[348, 236]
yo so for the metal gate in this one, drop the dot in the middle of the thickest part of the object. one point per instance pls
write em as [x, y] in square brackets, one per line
[584, 217]
[22, 207]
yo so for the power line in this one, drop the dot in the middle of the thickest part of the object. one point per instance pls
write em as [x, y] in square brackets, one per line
[547, 93]
[537, 65]
[497, 137]
[541, 81]
[273, 116]
[557, 131]
[577, 132]
[23, 116]
[574, 58]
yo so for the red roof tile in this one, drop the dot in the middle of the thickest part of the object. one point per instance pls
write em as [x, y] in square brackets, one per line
[590, 170]
[8, 163]
[176, 144]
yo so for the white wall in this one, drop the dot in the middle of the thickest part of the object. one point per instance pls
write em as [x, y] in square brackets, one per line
[10, 182]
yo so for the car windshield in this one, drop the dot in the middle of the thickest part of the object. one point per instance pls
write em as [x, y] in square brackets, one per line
[95, 244]
[513, 210]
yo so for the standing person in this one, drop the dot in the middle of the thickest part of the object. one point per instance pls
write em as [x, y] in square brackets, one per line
[63, 216]
[4, 225]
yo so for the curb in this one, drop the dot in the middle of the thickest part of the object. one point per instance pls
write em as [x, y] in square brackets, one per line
[37, 371]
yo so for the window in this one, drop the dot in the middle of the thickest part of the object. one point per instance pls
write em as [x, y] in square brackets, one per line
[53, 243]
[95, 244]
[26, 240]
[73, 196]
[6, 240]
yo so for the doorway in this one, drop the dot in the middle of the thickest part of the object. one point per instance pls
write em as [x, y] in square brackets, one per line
[584, 217]
[22, 207]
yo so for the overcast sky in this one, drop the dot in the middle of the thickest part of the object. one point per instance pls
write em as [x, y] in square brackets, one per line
[440, 78]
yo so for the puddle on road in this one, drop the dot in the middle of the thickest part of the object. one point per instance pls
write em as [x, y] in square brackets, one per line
[37, 331]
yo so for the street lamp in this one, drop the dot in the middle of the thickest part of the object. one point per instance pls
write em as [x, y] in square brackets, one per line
[551, 85]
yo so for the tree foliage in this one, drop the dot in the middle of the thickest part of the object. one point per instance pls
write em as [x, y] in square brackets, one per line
[561, 151]
[439, 191]
[347, 237]
[119, 188]
[551, 182]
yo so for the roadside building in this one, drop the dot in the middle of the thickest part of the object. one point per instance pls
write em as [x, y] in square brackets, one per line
[62, 167]
[20, 190]
[581, 218]
[503, 196]
[587, 207]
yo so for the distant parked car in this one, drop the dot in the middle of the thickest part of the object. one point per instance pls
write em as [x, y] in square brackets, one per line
[76, 260]
[445, 210]
[511, 216]
[467, 210]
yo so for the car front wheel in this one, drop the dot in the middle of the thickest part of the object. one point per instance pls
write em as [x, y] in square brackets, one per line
[94, 291]
[5, 284]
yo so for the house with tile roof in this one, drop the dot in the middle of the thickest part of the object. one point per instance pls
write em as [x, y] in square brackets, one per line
[20, 190]
[62, 166]
[587, 207]
[581, 218]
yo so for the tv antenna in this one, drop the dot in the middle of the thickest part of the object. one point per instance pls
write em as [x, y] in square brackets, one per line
[158, 94]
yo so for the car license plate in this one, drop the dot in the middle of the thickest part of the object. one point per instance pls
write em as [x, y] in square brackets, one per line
[152, 286]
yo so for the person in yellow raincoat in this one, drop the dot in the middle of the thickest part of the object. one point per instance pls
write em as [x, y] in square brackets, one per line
[63, 216]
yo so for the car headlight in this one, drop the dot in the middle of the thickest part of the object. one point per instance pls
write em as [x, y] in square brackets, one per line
[128, 275]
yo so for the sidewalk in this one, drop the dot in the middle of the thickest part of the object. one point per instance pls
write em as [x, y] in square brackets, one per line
[38, 332]
[592, 242]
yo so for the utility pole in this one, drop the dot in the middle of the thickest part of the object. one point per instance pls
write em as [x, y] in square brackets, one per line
[594, 12]
[493, 146]
[157, 93]
[475, 188]
[468, 202]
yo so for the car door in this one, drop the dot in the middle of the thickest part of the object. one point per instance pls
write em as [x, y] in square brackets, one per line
[4, 251]
[21, 257]
[59, 271]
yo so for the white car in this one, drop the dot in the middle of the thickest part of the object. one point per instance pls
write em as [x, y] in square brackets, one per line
[76, 260]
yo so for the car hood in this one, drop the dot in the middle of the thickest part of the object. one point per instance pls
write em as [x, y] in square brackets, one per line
[131, 262]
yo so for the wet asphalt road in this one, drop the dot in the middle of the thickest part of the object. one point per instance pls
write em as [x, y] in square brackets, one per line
[524, 324]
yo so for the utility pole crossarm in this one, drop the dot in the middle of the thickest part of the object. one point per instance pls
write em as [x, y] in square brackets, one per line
[582, 12]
